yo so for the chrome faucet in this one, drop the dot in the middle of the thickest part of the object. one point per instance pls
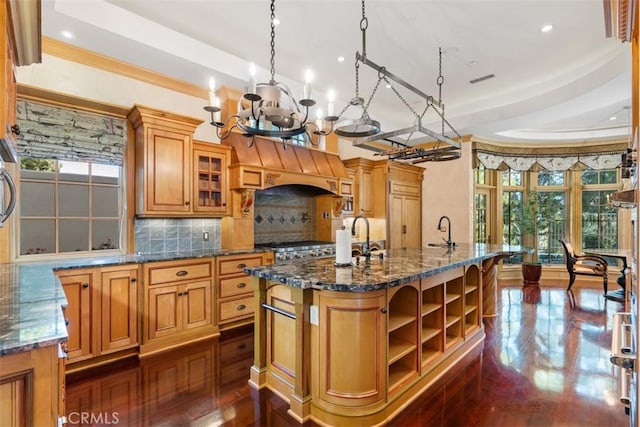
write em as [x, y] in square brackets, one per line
[448, 241]
[366, 250]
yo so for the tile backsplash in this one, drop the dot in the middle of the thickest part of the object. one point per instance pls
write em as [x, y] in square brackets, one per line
[162, 235]
[284, 216]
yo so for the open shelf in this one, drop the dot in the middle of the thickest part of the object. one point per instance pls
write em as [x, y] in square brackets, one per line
[399, 320]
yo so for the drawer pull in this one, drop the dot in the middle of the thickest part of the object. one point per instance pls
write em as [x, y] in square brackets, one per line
[241, 307]
[242, 285]
[242, 265]
[134, 280]
[85, 285]
[242, 347]
[181, 273]
[66, 322]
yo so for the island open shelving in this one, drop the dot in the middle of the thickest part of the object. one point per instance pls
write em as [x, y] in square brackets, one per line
[356, 348]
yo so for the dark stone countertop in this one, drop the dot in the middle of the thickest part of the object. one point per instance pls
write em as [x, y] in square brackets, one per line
[31, 295]
[398, 266]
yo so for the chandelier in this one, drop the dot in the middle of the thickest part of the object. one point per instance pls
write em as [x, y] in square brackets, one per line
[267, 109]
[365, 130]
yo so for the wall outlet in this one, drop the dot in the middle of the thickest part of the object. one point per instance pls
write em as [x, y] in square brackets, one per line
[314, 315]
[205, 236]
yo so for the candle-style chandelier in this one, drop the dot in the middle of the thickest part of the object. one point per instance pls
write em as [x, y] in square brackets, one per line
[267, 109]
[270, 110]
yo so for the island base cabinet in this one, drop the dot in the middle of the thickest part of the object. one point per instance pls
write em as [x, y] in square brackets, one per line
[349, 370]
[31, 388]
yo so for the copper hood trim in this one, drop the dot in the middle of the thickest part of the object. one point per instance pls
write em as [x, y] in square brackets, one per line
[270, 163]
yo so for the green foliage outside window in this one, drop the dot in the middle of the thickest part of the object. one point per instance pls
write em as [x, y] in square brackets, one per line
[42, 165]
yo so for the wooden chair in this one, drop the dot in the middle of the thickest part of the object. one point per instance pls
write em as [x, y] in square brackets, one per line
[587, 265]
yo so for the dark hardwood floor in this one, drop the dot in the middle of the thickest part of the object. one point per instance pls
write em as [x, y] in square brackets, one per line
[545, 362]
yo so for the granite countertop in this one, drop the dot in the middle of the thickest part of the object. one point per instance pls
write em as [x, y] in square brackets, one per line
[32, 296]
[398, 266]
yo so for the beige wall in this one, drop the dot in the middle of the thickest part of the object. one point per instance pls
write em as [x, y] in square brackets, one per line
[79, 80]
[447, 189]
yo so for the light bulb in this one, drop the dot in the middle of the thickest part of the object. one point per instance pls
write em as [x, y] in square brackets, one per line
[308, 76]
[252, 78]
[331, 95]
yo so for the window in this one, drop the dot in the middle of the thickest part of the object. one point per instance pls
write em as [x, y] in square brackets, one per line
[556, 201]
[68, 206]
[599, 220]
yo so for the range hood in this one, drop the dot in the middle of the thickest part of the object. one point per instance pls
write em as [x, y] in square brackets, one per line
[270, 163]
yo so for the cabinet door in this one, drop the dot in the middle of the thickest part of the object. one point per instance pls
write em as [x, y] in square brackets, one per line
[163, 316]
[78, 289]
[119, 302]
[411, 219]
[394, 222]
[404, 222]
[352, 327]
[168, 171]
[197, 305]
[210, 182]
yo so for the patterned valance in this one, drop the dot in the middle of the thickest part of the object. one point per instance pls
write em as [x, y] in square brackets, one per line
[53, 132]
[556, 159]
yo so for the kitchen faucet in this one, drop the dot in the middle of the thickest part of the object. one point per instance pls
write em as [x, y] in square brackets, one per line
[367, 246]
[448, 240]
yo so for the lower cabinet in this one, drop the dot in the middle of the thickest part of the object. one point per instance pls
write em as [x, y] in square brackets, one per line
[178, 305]
[234, 295]
[32, 387]
[352, 328]
[101, 313]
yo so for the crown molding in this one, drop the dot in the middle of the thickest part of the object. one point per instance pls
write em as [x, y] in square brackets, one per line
[95, 60]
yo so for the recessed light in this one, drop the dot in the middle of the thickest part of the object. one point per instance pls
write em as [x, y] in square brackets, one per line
[66, 34]
[276, 21]
[340, 58]
[546, 28]
[612, 118]
[388, 86]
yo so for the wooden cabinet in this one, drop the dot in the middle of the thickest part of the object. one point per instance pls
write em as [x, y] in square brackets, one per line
[368, 187]
[352, 328]
[404, 206]
[32, 387]
[81, 319]
[178, 305]
[392, 191]
[20, 44]
[101, 314]
[163, 160]
[234, 295]
[119, 298]
[210, 162]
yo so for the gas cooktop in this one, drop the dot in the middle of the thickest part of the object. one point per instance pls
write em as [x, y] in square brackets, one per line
[294, 245]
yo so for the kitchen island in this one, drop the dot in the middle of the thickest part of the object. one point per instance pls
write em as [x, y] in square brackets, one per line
[355, 345]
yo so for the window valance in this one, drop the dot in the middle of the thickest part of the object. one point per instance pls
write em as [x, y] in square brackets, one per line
[607, 156]
[49, 131]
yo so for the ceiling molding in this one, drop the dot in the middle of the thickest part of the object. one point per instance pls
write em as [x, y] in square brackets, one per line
[105, 63]
[619, 19]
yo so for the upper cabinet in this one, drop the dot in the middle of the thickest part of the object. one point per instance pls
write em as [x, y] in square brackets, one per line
[391, 191]
[20, 44]
[210, 163]
[176, 176]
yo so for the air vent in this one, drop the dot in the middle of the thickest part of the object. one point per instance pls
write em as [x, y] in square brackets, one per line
[479, 79]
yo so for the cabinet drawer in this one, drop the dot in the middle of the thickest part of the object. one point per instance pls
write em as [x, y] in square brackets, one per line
[236, 348]
[236, 265]
[235, 286]
[179, 272]
[232, 310]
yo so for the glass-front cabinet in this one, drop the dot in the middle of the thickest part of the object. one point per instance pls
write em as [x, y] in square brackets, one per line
[210, 180]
